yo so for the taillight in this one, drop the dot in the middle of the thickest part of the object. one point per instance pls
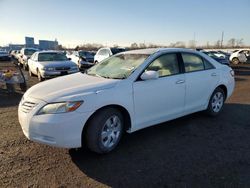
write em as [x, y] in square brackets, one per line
[232, 73]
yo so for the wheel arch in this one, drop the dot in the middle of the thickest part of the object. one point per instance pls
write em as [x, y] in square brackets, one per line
[224, 88]
[122, 109]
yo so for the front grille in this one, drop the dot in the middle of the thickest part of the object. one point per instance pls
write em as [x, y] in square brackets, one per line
[27, 106]
[62, 68]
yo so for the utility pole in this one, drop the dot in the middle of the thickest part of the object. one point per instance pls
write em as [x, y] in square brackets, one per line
[194, 40]
[222, 38]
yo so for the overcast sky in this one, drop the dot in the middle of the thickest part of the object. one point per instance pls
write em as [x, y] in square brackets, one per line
[123, 22]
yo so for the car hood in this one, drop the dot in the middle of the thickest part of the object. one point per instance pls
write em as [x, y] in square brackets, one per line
[65, 87]
[57, 63]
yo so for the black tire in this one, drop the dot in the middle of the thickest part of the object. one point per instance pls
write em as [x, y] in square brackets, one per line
[212, 109]
[23, 87]
[235, 61]
[39, 76]
[95, 128]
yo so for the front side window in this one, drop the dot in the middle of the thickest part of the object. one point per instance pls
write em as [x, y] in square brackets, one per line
[118, 67]
[165, 65]
[52, 57]
[192, 62]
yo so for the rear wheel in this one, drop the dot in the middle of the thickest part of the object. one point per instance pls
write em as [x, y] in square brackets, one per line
[104, 130]
[216, 102]
[235, 61]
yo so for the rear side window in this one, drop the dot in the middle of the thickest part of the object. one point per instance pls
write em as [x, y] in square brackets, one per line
[207, 64]
[103, 52]
[192, 62]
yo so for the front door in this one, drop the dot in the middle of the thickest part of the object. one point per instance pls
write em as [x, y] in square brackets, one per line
[161, 99]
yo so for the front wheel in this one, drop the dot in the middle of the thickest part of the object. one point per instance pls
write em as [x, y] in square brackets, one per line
[40, 78]
[104, 130]
[235, 61]
[216, 102]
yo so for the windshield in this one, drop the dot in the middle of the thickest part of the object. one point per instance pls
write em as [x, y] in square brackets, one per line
[117, 50]
[52, 57]
[29, 51]
[118, 67]
[85, 54]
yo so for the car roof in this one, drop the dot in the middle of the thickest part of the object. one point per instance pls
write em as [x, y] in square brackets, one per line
[30, 48]
[150, 51]
[49, 51]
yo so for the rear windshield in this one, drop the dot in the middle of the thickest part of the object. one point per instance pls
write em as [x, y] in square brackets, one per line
[52, 57]
[84, 53]
[29, 51]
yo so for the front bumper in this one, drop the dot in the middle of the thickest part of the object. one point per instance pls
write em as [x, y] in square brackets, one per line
[51, 74]
[83, 65]
[59, 130]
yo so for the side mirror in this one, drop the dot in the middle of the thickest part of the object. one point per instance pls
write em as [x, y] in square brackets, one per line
[150, 75]
[69, 58]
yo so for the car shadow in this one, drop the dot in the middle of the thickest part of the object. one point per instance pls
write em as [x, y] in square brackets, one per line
[195, 150]
[9, 99]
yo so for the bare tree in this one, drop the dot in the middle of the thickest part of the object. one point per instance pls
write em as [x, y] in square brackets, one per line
[239, 42]
[134, 45]
[217, 44]
[231, 42]
[191, 44]
[178, 44]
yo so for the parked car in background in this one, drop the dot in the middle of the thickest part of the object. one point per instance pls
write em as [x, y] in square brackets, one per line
[17, 54]
[126, 92]
[25, 54]
[239, 56]
[4, 56]
[218, 54]
[221, 60]
[105, 53]
[48, 64]
[227, 55]
[83, 59]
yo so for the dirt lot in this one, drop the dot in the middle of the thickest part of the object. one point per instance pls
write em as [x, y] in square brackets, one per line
[194, 151]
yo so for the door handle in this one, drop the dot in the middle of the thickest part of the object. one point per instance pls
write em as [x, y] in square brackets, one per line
[180, 82]
[214, 74]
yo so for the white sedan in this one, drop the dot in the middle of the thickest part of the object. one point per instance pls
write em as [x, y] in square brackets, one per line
[49, 64]
[239, 56]
[127, 92]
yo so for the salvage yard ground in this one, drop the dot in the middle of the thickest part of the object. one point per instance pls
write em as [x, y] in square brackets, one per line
[194, 151]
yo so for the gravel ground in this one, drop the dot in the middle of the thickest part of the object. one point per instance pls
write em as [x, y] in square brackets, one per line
[193, 151]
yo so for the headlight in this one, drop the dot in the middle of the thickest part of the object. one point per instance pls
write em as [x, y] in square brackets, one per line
[60, 107]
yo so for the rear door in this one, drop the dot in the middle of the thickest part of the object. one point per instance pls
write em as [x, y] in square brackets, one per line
[201, 79]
